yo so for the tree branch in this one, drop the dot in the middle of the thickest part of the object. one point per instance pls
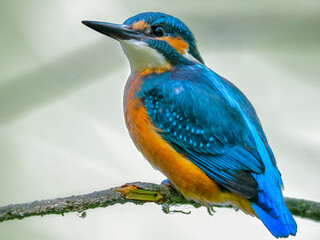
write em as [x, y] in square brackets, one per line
[164, 196]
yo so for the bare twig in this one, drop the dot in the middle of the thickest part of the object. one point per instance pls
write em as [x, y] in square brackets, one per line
[168, 197]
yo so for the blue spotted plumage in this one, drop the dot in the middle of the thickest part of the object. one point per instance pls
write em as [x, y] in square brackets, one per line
[194, 125]
[220, 132]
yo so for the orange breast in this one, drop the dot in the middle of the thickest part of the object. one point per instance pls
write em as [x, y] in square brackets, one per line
[186, 176]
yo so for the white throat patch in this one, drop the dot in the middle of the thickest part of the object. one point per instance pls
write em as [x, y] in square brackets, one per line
[140, 55]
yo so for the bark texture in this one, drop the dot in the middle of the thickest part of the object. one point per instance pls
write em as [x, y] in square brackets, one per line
[166, 197]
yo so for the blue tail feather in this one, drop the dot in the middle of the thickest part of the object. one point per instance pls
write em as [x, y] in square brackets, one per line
[269, 204]
[280, 227]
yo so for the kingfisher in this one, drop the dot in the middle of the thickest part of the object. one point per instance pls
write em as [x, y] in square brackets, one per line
[195, 126]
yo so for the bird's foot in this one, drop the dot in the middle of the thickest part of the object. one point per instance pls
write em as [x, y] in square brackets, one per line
[134, 193]
[167, 184]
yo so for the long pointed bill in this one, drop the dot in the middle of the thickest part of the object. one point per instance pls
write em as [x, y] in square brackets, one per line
[116, 31]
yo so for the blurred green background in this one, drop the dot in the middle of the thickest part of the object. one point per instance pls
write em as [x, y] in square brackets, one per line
[61, 126]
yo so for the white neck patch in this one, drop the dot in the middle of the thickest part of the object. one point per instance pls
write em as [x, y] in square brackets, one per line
[191, 58]
[141, 56]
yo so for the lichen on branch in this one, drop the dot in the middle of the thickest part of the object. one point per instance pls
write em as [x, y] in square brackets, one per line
[163, 196]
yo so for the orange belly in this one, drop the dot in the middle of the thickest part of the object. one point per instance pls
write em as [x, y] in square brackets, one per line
[191, 181]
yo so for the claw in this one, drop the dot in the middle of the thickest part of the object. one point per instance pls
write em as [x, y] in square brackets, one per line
[135, 193]
[167, 184]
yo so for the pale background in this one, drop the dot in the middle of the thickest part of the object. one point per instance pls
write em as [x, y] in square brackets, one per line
[61, 125]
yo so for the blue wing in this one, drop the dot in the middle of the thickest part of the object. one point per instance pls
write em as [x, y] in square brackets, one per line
[197, 120]
[209, 120]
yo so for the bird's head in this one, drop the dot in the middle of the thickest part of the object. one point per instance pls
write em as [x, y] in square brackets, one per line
[152, 40]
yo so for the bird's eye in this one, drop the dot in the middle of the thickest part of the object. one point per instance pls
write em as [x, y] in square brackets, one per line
[158, 31]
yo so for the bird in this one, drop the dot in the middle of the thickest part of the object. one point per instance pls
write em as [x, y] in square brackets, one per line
[195, 126]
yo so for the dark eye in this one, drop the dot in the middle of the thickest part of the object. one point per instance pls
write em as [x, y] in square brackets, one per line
[158, 31]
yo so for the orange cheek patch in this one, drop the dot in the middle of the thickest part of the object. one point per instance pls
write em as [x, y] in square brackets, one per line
[140, 25]
[178, 44]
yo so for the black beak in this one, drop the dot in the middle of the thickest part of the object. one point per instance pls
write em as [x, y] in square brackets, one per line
[116, 31]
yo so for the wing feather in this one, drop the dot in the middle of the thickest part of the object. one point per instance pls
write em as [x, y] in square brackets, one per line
[199, 123]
